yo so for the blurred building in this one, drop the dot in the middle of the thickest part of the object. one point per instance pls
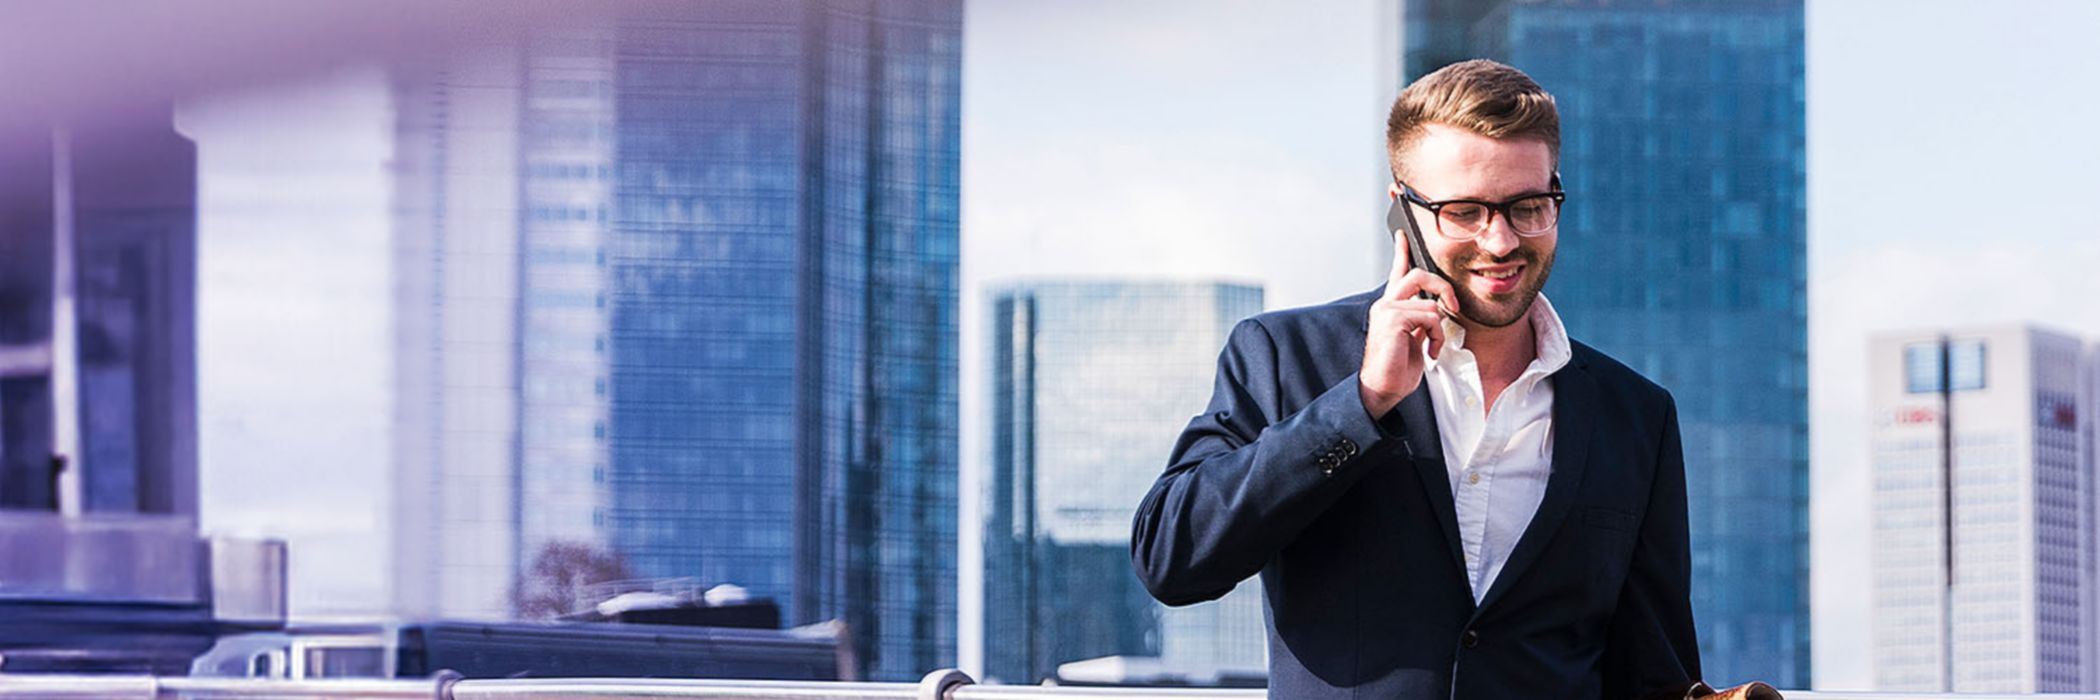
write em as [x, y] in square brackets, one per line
[103, 569]
[2006, 587]
[1087, 376]
[1683, 254]
[682, 283]
[97, 316]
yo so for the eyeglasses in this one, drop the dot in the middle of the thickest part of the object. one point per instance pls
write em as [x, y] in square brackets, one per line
[1462, 219]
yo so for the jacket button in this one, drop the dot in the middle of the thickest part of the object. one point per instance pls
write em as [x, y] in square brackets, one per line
[1470, 639]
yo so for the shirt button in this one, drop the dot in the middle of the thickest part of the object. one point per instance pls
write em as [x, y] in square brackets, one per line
[1473, 478]
[1471, 402]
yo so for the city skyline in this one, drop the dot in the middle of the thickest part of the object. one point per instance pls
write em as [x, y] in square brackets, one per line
[1874, 261]
[678, 284]
[1886, 268]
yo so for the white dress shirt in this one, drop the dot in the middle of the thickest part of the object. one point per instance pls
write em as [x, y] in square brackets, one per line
[1498, 459]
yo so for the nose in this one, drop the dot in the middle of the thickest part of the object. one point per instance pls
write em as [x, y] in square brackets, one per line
[1499, 239]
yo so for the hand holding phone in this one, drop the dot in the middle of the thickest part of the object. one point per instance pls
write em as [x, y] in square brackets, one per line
[1405, 320]
[1401, 221]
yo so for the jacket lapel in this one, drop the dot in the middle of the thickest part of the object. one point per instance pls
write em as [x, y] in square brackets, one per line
[1574, 420]
[1425, 449]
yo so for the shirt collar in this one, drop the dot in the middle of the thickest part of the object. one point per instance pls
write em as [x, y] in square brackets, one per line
[1554, 351]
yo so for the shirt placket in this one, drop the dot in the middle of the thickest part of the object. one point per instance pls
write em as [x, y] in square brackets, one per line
[1495, 435]
[1476, 476]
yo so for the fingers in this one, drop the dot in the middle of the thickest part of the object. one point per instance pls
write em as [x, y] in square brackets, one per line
[1418, 281]
[1437, 286]
[1418, 319]
[1424, 325]
[1401, 266]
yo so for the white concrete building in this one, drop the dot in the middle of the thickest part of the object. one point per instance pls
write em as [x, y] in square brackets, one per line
[2020, 588]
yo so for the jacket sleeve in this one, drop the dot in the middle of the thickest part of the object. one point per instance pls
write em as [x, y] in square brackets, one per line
[1242, 481]
[1652, 650]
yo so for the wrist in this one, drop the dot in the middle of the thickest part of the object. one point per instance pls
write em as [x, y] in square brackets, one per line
[1376, 404]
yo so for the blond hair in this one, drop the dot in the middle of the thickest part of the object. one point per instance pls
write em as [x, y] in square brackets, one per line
[1480, 96]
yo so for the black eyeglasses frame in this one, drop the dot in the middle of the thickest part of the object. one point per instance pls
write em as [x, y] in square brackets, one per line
[1559, 197]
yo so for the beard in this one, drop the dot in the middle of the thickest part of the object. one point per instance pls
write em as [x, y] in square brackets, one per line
[1499, 310]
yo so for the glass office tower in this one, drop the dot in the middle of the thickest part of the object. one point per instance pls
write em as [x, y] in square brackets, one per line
[1089, 381]
[712, 289]
[781, 290]
[1683, 254]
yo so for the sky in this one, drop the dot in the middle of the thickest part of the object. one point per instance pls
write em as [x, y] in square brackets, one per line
[1951, 181]
[1950, 174]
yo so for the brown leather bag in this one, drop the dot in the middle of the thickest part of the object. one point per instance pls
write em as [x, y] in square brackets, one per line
[1747, 691]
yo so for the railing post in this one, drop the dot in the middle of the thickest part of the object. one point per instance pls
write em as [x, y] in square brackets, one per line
[443, 681]
[937, 685]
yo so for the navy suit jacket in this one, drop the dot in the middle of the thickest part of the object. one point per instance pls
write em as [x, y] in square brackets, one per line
[1350, 523]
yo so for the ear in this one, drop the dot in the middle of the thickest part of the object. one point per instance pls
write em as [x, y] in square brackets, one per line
[1392, 191]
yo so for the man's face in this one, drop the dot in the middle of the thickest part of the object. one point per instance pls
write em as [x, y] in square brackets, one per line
[1496, 273]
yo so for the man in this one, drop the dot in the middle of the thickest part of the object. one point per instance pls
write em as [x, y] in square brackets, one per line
[1444, 495]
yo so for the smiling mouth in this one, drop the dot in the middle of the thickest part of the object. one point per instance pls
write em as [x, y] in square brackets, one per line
[1500, 275]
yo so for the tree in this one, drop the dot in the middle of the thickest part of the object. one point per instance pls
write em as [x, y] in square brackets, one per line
[558, 573]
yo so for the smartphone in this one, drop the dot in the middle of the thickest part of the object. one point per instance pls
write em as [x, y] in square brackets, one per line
[1401, 218]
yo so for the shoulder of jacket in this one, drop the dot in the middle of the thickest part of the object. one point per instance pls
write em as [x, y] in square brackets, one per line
[1346, 312]
[1610, 372]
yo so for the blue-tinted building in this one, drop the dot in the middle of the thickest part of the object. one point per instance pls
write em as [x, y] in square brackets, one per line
[683, 285]
[1683, 253]
[1086, 377]
[782, 296]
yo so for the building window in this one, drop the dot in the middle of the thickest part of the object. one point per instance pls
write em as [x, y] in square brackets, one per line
[1965, 360]
[1921, 366]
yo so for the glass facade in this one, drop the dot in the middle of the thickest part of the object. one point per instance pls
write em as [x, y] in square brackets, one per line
[722, 241]
[1086, 377]
[1684, 255]
[702, 296]
[781, 284]
[565, 168]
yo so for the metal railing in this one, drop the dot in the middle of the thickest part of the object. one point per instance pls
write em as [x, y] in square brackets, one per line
[947, 684]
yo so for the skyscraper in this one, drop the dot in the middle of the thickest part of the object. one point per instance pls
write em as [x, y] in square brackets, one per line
[1683, 254]
[1996, 574]
[1087, 376]
[457, 271]
[682, 283]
